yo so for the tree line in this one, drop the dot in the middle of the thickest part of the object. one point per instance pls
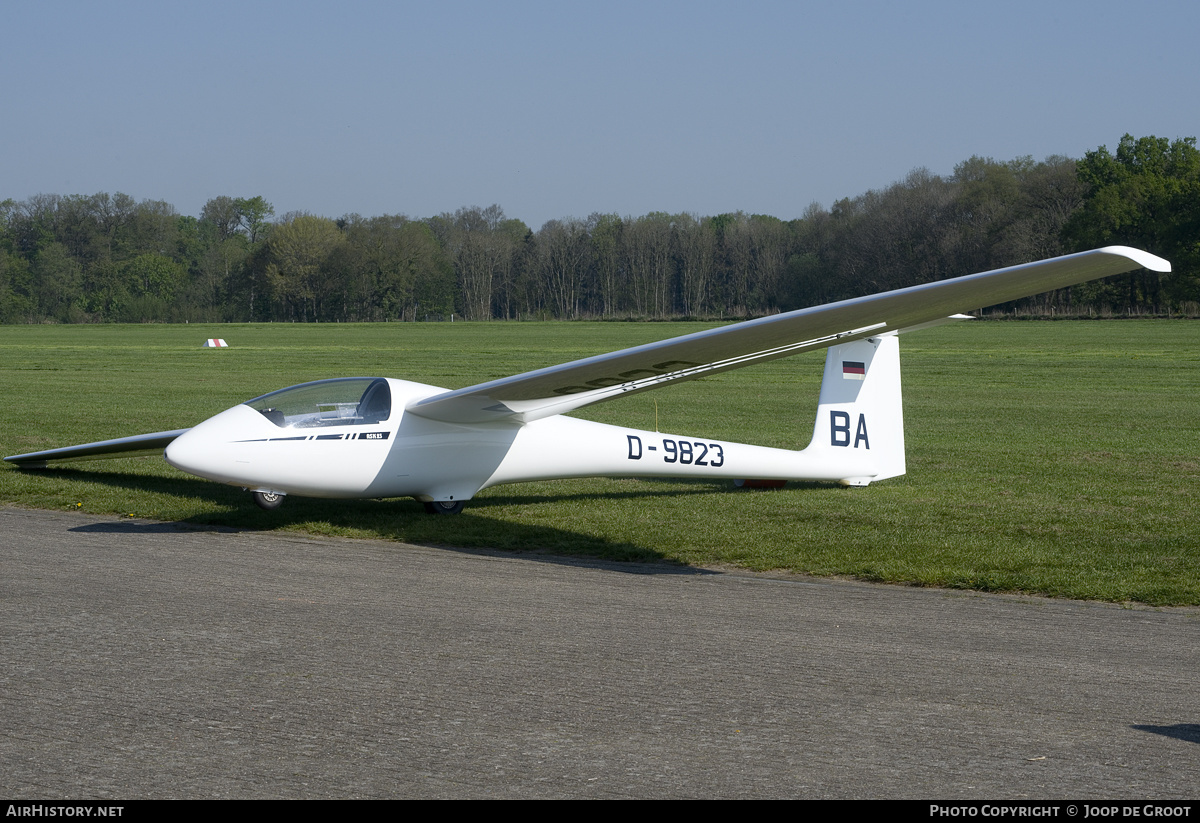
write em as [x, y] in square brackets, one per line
[108, 258]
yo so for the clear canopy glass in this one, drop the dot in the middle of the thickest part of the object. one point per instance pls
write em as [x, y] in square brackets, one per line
[345, 401]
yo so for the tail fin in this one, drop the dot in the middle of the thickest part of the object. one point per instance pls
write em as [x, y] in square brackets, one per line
[860, 416]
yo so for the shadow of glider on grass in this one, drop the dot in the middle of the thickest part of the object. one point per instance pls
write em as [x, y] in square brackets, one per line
[363, 437]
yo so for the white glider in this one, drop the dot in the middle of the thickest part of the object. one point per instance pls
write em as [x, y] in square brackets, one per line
[363, 437]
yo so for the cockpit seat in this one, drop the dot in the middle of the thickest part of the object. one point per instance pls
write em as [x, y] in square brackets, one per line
[375, 405]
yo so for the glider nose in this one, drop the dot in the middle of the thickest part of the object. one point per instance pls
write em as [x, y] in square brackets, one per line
[210, 449]
[194, 453]
[186, 453]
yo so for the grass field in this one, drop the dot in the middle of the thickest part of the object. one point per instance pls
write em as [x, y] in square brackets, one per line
[1057, 458]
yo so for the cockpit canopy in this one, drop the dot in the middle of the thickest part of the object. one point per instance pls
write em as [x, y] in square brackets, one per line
[345, 401]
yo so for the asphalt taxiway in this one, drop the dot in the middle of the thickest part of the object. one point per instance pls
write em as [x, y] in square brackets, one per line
[144, 659]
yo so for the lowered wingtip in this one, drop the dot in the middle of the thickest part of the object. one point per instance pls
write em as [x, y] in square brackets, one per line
[121, 447]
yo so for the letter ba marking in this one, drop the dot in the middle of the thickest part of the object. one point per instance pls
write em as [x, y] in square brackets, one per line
[839, 430]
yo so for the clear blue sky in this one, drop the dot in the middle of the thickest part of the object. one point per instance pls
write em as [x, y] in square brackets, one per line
[558, 109]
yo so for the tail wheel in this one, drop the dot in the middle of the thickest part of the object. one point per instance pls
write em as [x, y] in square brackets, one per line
[444, 507]
[268, 501]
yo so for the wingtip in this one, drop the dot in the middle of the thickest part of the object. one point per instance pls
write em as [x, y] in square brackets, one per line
[16, 461]
[1143, 258]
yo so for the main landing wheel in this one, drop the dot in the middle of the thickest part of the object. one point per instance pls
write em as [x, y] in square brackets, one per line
[444, 507]
[268, 501]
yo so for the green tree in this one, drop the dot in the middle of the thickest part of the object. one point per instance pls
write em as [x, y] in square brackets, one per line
[223, 215]
[1146, 195]
[650, 264]
[298, 270]
[155, 275]
[607, 239]
[253, 213]
[58, 280]
[16, 306]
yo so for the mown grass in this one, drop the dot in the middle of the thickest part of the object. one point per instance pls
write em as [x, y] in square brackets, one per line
[1057, 458]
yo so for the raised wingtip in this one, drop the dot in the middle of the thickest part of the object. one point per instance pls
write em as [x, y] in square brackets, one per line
[1143, 258]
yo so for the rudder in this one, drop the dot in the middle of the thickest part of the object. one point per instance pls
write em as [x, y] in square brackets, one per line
[861, 414]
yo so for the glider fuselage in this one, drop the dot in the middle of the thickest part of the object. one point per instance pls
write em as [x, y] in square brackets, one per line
[410, 456]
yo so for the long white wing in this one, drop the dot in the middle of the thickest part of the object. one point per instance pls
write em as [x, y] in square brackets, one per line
[121, 447]
[559, 389]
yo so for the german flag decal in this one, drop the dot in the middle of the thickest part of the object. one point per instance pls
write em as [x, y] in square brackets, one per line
[853, 371]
